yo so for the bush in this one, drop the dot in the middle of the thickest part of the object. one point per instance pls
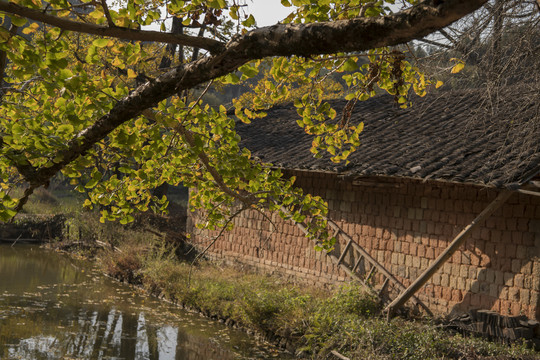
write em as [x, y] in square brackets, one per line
[125, 266]
[354, 299]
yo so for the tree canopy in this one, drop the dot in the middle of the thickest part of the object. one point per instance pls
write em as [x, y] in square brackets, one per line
[88, 91]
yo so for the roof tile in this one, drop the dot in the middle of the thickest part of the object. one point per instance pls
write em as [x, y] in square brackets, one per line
[449, 136]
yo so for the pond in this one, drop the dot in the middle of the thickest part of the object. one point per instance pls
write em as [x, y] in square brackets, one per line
[55, 307]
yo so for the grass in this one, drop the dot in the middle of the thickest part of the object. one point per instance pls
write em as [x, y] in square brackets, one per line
[347, 320]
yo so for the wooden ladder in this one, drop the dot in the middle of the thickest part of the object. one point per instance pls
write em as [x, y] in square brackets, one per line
[362, 267]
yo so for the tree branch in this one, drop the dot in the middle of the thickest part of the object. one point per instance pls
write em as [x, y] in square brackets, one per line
[3, 58]
[435, 43]
[107, 13]
[213, 46]
[447, 36]
[358, 34]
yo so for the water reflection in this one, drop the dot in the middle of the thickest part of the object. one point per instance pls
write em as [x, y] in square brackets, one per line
[52, 307]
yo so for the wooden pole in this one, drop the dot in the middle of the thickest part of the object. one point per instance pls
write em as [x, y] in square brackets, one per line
[450, 250]
[529, 192]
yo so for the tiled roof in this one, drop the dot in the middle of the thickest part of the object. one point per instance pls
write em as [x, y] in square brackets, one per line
[465, 137]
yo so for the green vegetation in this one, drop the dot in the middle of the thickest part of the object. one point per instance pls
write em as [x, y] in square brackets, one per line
[315, 322]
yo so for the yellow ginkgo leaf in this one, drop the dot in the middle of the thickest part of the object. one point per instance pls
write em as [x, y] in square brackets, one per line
[458, 67]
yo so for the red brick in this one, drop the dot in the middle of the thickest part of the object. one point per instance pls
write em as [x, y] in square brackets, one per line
[447, 293]
[421, 251]
[478, 207]
[523, 224]
[456, 296]
[496, 236]
[510, 251]
[475, 260]
[528, 239]
[413, 249]
[518, 211]
[529, 211]
[496, 306]
[515, 309]
[486, 302]
[485, 260]
[505, 264]
[443, 243]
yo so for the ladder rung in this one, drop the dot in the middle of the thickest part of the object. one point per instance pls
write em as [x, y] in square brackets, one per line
[370, 273]
[364, 257]
[344, 251]
[385, 284]
[357, 263]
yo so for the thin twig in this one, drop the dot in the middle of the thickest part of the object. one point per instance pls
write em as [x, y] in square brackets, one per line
[338, 355]
[202, 253]
[16, 240]
[107, 14]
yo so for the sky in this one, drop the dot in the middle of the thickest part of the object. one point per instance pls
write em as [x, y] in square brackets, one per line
[268, 12]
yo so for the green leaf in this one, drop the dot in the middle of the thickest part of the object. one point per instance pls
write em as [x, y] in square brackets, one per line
[64, 74]
[231, 78]
[18, 21]
[65, 129]
[17, 129]
[350, 65]
[371, 12]
[4, 34]
[249, 22]
[100, 43]
[249, 70]
[6, 214]
[91, 184]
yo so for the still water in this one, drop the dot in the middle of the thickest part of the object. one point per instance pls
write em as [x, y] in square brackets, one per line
[55, 307]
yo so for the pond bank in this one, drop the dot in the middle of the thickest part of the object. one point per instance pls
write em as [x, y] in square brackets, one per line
[311, 323]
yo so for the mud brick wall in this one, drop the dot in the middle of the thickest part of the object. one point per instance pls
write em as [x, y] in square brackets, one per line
[405, 225]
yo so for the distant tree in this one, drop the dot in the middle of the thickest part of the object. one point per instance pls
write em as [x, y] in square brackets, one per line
[121, 110]
[500, 44]
[500, 48]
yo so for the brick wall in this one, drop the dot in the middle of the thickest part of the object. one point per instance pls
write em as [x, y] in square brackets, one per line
[405, 224]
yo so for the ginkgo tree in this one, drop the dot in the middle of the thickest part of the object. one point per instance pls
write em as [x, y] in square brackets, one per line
[120, 110]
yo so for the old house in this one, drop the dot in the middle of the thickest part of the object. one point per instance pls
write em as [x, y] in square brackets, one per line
[420, 177]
